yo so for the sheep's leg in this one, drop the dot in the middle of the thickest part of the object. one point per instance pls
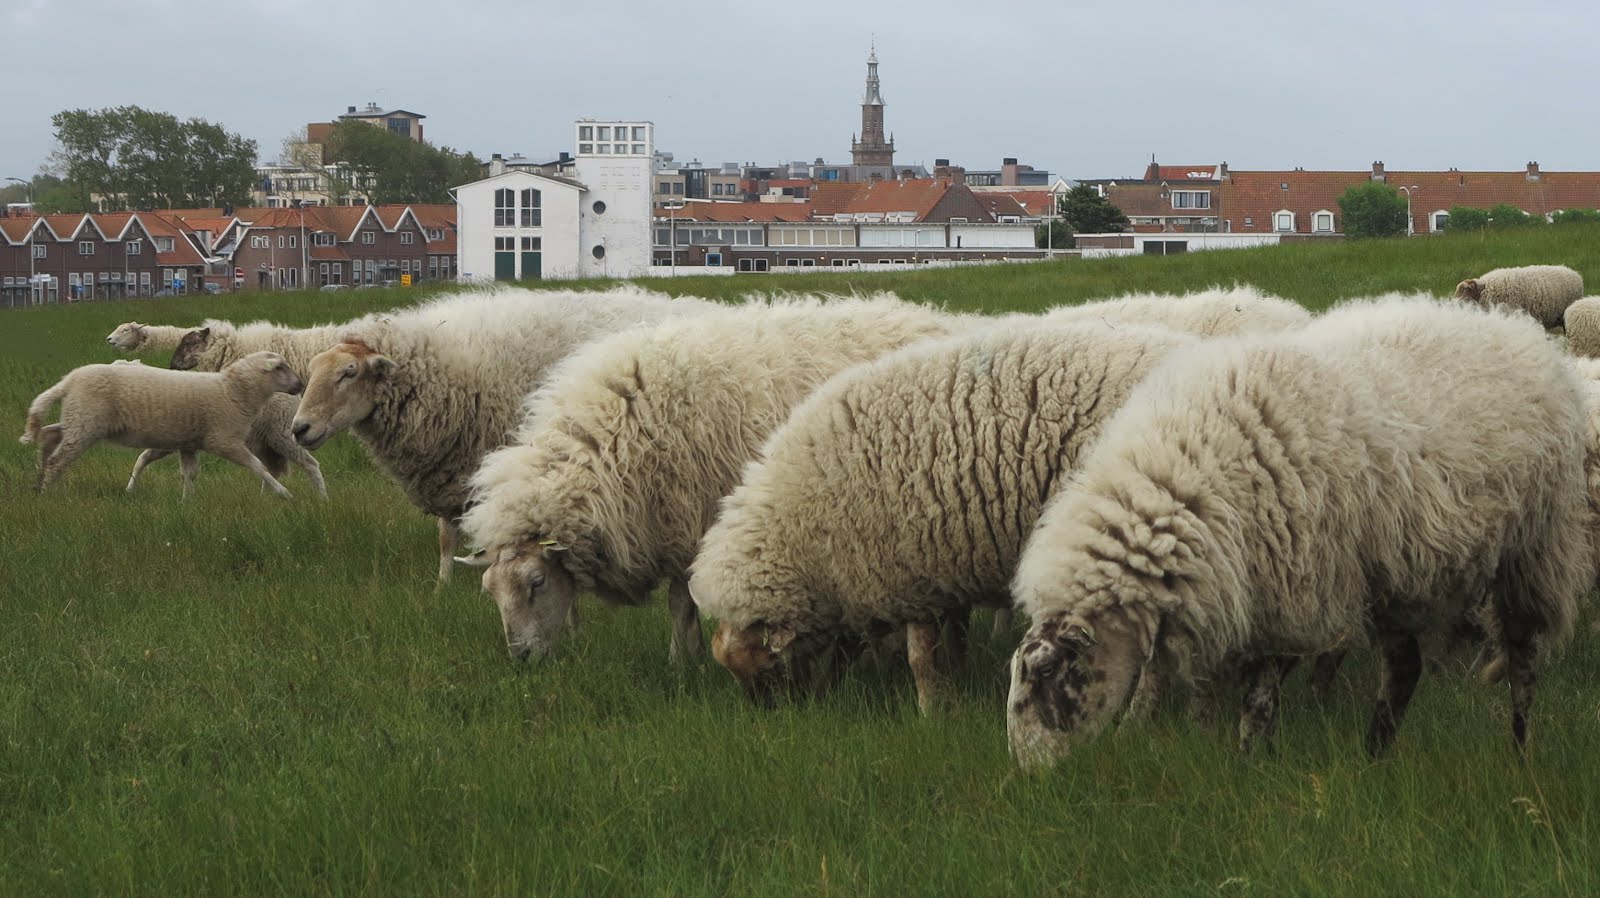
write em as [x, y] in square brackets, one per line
[49, 439]
[1402, 665]
[64, 453]
[1258, 720]
[1001, 634]
[686, 638]
[921, 639]
[147, 457]
[1323, 672]
[957, 623]
[190, 463]
[241, 456]
[308, 464]
[1519, 656]
[449, 540]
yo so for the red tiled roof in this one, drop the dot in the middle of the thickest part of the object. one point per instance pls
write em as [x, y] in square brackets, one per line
[64, 226]
[390, 215]
[1147, 200]
[435, 215]
[1036, 202]
[112, 224]
[328, 254]
[1000, 204]
[183, 252]
[343, 220]
[1182, 173]
[445, 246]
[737, 212]
[17, 229]
[917, 196]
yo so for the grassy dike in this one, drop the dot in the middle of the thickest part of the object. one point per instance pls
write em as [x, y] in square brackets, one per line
[238, 695]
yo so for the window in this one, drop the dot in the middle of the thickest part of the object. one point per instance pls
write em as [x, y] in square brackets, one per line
[405, 266]
[638, 134]
[1191, 199]
[638, 149]
[280, 241]
[585, 148]
[603, 133]
[795, 263]
[320, 239]
[1322, 222]
[85, 247]
[294, 242]
[838, 263]
[716, 190]
[603, 149]
[39, 251]
[532, 215]
[1437, 220]
[436, 234]
[713, 260]
[586, 132]
[407, 237]
[599, 207]
[531, 244]
[134, 247]
[677, 188]
[505, 212]
[599, 251]
[1283, 221]
[664, 187]
[369, 237]
[163, 244]
[1249, 222]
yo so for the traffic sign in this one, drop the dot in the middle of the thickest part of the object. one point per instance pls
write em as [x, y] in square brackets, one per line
[405, 280]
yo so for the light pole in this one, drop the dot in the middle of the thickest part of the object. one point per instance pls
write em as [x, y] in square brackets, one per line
[1410, 222]
[33, 288]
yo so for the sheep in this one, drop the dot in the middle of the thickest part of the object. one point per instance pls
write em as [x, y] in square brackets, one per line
[1543, 291]
[628, 446]
[431, 390]
[1208, 313]
[902, 490]
[1269, 497]
[215, 344]
[131, 336]
[1582, 320]
[153, 408]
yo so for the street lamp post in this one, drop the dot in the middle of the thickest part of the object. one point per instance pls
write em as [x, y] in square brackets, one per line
[1410, 222]
[32, 273]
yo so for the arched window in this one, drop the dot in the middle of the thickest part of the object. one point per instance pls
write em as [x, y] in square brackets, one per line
[1283, 220]
[1322, 222]
[531, 213]
[505, 211]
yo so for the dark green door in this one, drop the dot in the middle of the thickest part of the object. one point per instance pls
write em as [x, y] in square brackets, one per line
[530, 266]
[505, 266]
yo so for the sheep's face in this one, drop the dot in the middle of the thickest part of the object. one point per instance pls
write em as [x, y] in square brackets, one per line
[341, 391]
[754, 655]
[535, 595]
[282, 377]
[1068, 677]
[127, 337]
[1471, 288]
[193, 344]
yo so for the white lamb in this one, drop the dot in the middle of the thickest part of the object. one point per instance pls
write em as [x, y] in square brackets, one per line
[430, 391]
[154, 408]
[1268, 497]
[1208, 313]
[1543, 291]
[131, 336]
[632, 441]
[901, 491]
[1582, 320]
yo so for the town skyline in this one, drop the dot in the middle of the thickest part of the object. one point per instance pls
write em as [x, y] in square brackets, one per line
[1472, 85]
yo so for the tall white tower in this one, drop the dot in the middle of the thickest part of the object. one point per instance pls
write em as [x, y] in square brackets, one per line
[614, 161]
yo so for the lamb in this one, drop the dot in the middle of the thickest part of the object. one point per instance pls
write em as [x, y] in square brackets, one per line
[1543, 291]
[1207, 313]
[153, 408]
[131, 336]
[431, 390]
[628, 447]
[902, 490]
[1582, 320]
[1269, 497]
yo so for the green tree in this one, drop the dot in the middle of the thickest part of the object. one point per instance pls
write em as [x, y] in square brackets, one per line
[1506, 215]
[1467, 218]
[130, 157]
[389, 168]
[1083, 211]
[1576, 216]
[1373, 209]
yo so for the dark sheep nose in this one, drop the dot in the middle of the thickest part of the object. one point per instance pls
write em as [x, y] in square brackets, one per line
[301, 428]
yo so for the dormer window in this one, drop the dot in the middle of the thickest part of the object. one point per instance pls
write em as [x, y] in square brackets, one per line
[1322, 222]
[1283, 220]
[1191, 199]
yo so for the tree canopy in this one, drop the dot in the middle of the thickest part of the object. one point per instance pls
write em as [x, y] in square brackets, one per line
[134, 158]
[1082, 211]
[390, 168]
[1373, 209]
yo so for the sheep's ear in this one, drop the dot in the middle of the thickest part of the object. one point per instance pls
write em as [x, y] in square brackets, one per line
[779, 638]
[551, 548]
[381, 365]
[204, 333]
[479, 559]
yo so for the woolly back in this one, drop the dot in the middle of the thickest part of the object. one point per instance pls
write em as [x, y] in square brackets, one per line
[631, 441]
[917, 476]
[1401, 445]
[230, 342]
[1215, 312]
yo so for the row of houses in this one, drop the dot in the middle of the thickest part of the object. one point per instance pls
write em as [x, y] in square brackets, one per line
[128, 254]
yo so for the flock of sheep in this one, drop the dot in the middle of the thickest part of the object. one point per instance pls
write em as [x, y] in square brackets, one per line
[1174, 489]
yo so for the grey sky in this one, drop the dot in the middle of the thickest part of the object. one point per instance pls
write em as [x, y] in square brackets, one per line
[1083, 89]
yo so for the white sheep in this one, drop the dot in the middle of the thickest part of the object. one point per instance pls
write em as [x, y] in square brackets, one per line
[131, 336]
[1582, 320]
[901, 491]
[1543, 291]
[430, 391]
[632, 441]
[1217, 311]
[1268, 497]
[154, 408]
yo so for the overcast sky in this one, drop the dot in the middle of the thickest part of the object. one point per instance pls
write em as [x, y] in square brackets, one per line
[1081, 89]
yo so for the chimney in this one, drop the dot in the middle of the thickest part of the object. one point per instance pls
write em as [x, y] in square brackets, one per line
[1378, 173]
[1222, 172]
[1009, 160]
[1533, 171]
[564, 158]
[352, 110]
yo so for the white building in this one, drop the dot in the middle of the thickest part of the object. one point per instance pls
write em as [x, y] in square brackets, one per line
[523, 225]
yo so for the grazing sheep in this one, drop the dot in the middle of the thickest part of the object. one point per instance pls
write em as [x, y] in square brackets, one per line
[1582, 320]
[431, 390]
[1207, 313]
[216, 344]
[153, 408]
[1543, 291]
[1269, 497]
[901, 491]
[131, 336]
[631, 442]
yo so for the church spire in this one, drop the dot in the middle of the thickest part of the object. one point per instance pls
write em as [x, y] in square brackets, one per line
[872, 150]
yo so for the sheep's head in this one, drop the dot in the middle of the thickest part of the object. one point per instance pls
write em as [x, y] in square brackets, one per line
[1471, 288]
[193, 344]
[273, 369]
[1068, 678]
[755, 656]
[128, 336]
[341, 390]
[534, 591]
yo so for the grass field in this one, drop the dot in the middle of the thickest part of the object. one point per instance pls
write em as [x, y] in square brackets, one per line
[237, 695]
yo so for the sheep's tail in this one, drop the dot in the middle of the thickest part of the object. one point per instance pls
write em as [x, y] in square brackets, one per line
[40, 407]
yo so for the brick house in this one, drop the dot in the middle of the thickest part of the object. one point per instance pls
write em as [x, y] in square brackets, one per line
[313, 246]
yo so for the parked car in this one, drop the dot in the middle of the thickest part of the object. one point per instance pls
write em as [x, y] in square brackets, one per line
[332, 288]
[212, 289]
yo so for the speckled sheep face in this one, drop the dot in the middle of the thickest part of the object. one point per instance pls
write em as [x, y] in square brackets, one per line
[535, 595]
[187, 356]
[753, 655]
[127, 336]
[1471, 288]
[1068, 678]
[341, 390]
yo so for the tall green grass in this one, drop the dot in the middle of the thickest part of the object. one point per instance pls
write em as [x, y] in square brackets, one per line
[237, 695]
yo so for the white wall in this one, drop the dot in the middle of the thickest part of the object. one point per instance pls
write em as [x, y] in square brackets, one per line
[558, 230]
[992, 236]
[1197, 243]
[622, 182]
